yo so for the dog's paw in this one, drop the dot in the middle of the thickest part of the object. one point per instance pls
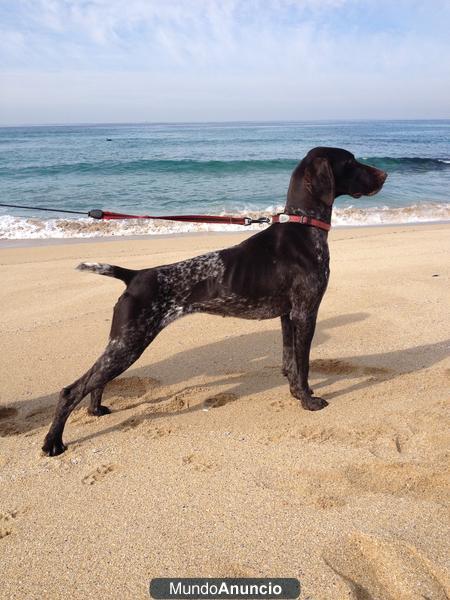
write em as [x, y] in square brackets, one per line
[313, 403]
[99, 411]
[53, 447]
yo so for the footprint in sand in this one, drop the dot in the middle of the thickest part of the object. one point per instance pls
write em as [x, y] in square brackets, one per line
[394, 479]
[278, 405]
[392, 444]
[168, 405]
[155, 433]
[8, 425]
[119, 395]
[179, 402]
[6, 412]
[311, 488]
[131, 387]
[6, 522]
[185, 398]
[198, 463]
[150, 431]
[219, 400]
[382, 440]
[99, 474]
[375, 568]
[341, 367]
[399, 479]
[27, 423]
[121, 392]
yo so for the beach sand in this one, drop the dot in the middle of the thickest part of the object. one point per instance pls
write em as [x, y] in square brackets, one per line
[207, 466]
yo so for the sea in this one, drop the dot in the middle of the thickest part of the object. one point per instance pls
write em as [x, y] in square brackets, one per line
[240, 168]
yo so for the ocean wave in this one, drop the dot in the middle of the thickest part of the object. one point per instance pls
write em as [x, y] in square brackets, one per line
[210, 167]
[112, 167]
[12, 227]
[407, 164]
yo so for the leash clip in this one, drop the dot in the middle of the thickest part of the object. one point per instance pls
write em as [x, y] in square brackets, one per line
[260, 220]
[96, 213]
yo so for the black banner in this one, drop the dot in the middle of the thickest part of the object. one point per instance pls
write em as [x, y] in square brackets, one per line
[168, 588]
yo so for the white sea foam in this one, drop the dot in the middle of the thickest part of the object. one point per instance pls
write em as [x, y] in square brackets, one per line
[33, 228]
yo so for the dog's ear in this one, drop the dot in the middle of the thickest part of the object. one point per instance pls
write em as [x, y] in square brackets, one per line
[318, 180]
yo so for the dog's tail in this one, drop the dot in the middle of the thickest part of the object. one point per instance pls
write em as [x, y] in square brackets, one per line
[126, 275]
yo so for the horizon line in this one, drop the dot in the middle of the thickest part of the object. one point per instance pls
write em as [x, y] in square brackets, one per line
[218, 122]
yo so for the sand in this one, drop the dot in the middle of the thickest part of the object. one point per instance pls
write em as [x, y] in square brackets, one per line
[207, 466]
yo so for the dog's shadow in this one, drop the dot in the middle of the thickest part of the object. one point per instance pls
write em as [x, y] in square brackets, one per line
[254, 366]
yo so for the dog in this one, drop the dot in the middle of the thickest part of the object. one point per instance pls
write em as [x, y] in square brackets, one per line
[281, 272]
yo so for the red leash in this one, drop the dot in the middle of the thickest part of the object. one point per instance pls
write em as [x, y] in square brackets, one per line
[108, 216]
[280, 218]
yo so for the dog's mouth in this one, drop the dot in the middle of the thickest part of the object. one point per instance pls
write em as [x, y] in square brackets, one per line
[372, 193]
[378, 180]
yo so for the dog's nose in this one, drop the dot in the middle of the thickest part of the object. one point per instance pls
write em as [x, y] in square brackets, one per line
[382, 175]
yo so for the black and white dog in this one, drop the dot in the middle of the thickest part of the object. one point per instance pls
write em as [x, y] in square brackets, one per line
[280, 272]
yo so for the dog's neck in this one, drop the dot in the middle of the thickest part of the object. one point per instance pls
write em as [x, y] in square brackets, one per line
[311, 190]
[306, 208]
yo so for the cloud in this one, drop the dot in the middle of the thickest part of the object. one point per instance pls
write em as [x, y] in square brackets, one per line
[282, 53]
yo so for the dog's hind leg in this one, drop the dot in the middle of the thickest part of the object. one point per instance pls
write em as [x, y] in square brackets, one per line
[117, 357]
[96, 407]
[132, 330]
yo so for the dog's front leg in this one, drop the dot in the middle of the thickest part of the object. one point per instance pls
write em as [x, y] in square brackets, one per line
[287, 329]
[288, 344]
[303, 325]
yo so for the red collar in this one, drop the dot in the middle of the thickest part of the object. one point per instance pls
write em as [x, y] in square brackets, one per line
[284, 218]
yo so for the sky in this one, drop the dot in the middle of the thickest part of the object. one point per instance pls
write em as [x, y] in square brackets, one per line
[93, 61]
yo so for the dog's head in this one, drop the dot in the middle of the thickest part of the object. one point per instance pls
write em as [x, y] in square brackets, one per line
[326, 173]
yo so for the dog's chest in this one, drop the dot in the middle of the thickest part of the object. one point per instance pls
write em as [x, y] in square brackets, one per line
[237, 306]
